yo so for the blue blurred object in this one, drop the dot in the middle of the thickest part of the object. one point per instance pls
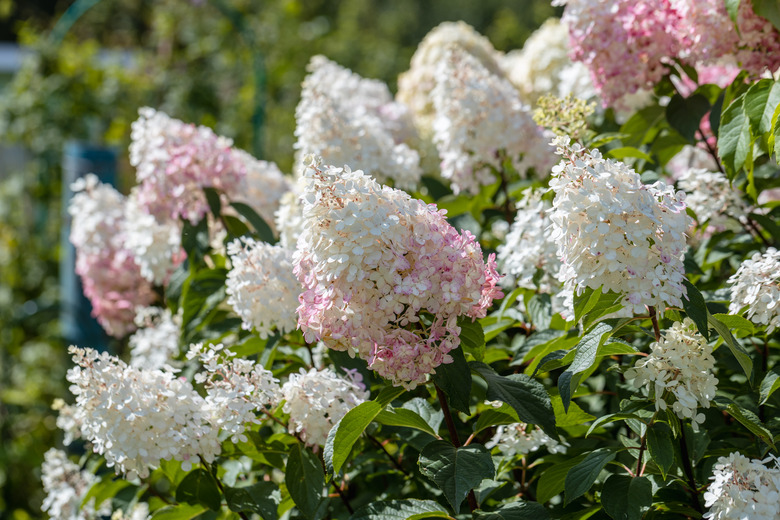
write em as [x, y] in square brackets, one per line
[78, 325]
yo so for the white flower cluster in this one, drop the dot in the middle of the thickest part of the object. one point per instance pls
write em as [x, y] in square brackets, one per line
[236, 389]
[479, 121]
[261, 286]
[543, 66]
[528, 247]
[341, 118]
[156, 342]
[712, 199]
[743, 489]
[520, 439]
[140, 511]
[318, 399]
[415, 85]
[65, 485]
[135, 418]
[615, 233]
[756, 284]
[682, 363]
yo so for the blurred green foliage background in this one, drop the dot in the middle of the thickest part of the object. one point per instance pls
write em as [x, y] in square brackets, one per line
[234, 65]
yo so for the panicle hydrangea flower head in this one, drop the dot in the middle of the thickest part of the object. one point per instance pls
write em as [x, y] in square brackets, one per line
[236, 389]
[743, 489]
[756, 284]
[318, 399]
[712, 199]
[682, 363]
[135, 418]
[522, 439]
[340, 118]
[174, 161]
[528, 247]
[156, 342]
[543, 66]
[66, 485]
[416, 84]
[261, 286]
[155, 244]
[371, 260]
[615, 233]
[111, 278]
[478, 121]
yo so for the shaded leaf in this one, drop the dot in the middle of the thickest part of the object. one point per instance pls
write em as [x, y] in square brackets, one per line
[199, 487]
[255, 498]
[400, 510]
[455, 381]
[520, 510]
[770, 384]
[581, 477]
[304, 479]
[660, 446]
[626, 498]
[456, 471]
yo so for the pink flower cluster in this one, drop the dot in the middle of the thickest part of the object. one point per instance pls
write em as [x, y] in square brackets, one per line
[385, 276]
[174, 161]
[630, 45]
[110, 276]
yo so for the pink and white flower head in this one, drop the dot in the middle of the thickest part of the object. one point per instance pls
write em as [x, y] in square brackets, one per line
[174, 161]
[743, 488]
[261, 286]
[316, 400]
[756, 285]
[110, 276]
[347, 119]
[384, 275]
[615, 233]
[478, 121]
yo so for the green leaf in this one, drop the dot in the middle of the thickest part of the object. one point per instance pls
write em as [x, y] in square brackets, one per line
[304, 479]
[660, 446]
[104, 489]
[738, 350]
[235, 226]
[573, 417]
[215, 204]
[696, 309]
[734, 322]
[528, 397]
[456, 471]
[262, 229]
[770, 384]
[454, 379]
[623, 152]
[495, 417]
[178, 512]
[540, 311]
[519, 510]
[584, 358]
[202, 294]
[424, 409]
[404, 418]
[255, 498]
[195, 240]
[747, 418]
[626, 498]
[612, 417]
[552, 481]
[760, 102]
[472, 337]
[684, 114]
[584, 302]
[608, 302]
[199, 487]
[732, 7]
[769, 9]
[410, 509]
[768, 223]
[346, 432]
[734, 137]
[581, 477]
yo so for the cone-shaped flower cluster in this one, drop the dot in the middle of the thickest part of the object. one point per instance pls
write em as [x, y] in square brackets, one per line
[615, 233]
[756, 284]
[385, 276]
[744, 489]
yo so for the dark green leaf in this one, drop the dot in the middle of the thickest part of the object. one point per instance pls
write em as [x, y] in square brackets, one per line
[256, 221]
[766, 222]
[202, 294]
[456, 471]
[178, 512]
[581, 477]
[660, 446]
[424, 409]
[305, 479]
[195, 240]
[235, 227]
[255, 498]
[493, 417]
[769, 9]
[528, 397]
[584, 358]
[404, 418]
[552, 481]
[696, 309]
[626, 498]
[215, 204]
[472, 337]
[747, 418]
[738, 350]
[400, 510]
[199, 487]
[455, 381]
[770, 384]
[104, 489]
[540, 311]
[519, 510]
[346, 432]
[684, 114]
